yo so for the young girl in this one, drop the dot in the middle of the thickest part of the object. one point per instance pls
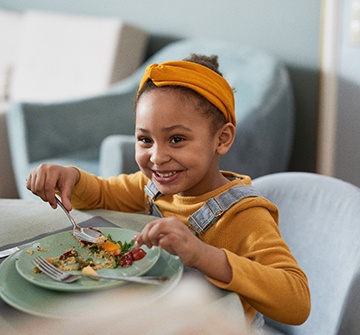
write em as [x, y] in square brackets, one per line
[213, 220]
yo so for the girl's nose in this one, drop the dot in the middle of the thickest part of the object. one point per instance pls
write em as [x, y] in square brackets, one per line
[159, 155]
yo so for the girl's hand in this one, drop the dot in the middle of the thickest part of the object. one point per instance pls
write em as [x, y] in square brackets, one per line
[44, 180]
[173, 236]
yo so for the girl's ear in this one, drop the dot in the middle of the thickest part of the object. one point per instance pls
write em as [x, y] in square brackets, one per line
[226, 137]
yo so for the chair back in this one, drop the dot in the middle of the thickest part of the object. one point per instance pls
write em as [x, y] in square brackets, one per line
[320, 221]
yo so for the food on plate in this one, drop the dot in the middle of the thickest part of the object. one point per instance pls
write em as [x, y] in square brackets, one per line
[138, 253]
[100, 239]
[132, 256]
[89, 271]
[108, 254]
[110, 247]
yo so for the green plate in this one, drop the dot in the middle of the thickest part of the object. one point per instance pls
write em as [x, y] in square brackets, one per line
[55, 245]
[35, 300]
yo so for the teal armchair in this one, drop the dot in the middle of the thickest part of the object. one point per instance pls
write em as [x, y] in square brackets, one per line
[96, 134]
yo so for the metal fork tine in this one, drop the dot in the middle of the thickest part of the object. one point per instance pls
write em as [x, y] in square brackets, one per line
[45, 271]
[53, 272]
[47, 268]
[48, 265]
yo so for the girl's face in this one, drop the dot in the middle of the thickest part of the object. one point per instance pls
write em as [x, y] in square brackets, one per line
[175, 147]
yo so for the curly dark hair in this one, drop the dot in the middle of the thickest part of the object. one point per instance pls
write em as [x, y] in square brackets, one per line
[209, 61]
[206, 107]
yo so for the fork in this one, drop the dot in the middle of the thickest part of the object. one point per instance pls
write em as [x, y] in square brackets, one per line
[56, 274]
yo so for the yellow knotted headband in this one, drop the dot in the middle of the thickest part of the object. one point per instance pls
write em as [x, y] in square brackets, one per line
[211, 85]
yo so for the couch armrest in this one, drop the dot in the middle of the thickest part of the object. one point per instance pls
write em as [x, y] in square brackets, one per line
[117, 155]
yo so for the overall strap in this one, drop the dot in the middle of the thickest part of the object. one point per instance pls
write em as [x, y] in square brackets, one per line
[151, 190]
[153, 193]
[214, 208]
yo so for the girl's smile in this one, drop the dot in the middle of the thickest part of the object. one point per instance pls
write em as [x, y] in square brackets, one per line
[163, 177]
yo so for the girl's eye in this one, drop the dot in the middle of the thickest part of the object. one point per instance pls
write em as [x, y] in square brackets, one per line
[144, 139]
[176, 139]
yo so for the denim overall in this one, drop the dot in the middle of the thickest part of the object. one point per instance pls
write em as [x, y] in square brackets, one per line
[211, 211]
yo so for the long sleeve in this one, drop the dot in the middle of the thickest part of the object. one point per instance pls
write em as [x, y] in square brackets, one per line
[123, 193]
[265, 273]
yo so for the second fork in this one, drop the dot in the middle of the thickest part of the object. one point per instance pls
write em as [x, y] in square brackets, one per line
[56, 274]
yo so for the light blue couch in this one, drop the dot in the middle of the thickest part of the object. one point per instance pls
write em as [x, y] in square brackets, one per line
[77, 132]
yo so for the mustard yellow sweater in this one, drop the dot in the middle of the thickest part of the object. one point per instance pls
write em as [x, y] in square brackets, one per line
[266, 276]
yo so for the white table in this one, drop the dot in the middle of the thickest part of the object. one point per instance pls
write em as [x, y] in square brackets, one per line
[193, 300]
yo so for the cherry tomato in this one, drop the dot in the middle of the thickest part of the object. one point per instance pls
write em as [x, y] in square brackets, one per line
[126, 260]
[138, 254]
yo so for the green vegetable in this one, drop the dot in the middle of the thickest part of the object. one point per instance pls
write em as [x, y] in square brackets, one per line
[126, 246]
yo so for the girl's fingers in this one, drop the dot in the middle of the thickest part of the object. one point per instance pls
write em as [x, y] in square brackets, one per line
[138, 240]
[159, 231]
[46, 179]
[148, 235]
